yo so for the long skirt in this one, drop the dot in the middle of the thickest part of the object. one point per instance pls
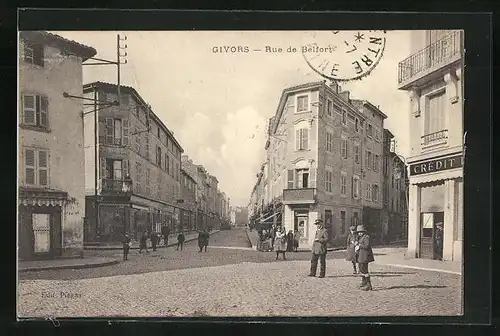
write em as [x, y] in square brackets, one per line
[280, 245]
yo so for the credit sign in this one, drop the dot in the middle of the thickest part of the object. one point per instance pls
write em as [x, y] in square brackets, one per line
[436, 165]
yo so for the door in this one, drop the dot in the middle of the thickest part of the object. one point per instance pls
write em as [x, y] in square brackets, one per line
[301, 224]
[431, 235]
[41, 233]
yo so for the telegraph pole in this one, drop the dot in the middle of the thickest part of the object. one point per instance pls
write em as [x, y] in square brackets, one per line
[97, 106]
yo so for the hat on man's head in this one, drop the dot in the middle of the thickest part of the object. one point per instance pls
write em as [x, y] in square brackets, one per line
[360, 228]
[318, 221]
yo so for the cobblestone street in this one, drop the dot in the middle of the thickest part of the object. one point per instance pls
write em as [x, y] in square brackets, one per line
[244, 283]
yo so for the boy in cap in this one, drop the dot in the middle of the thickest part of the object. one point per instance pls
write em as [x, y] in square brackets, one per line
[352, 241]
[365, 255]
[319, 250]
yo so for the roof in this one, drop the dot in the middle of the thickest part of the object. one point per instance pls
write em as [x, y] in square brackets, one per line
[68, 46]
[360, 102]
[187, 173]
[103, 85]
[389, 133]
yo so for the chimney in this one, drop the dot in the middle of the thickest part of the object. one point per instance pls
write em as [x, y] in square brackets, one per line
[346, 96]
[335, 87]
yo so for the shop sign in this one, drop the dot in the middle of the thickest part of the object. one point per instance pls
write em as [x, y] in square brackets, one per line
[436, 165]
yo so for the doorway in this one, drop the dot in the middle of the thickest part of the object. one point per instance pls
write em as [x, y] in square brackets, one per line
[432, 235]
[301, 224]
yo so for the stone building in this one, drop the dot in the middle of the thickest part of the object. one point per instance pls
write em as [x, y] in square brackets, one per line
[325, 152]
[188, 192]
[51, 193]
[433, 77]
[137, 176]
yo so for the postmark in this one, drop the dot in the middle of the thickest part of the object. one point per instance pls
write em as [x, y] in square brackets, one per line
[345, 55]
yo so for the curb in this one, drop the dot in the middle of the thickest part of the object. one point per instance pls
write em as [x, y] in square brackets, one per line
[119, 248]
[77, 266]
[419, 268]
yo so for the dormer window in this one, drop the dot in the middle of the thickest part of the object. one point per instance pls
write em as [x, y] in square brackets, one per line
[302, 103]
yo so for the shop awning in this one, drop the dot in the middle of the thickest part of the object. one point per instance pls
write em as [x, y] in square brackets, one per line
[269, 217]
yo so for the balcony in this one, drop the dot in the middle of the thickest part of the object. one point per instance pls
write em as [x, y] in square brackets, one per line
[117, 187]
[443, 52]
[434, 139]
[299, 196]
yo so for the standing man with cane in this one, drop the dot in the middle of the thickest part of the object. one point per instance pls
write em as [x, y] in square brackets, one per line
[319, 250]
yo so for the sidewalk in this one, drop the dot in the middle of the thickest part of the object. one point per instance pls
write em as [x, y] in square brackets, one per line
[396, 257]
[42, 265]
[172, 241]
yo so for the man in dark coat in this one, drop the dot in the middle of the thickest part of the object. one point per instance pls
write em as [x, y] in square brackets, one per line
[203, 240]
[165, 231]
[351, 243]
[365, 256]
[126, 246]
[143, 242]
[180, 240]
[319, 250]
[153, 238]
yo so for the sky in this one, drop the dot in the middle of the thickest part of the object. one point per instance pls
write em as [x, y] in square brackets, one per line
[218, 103]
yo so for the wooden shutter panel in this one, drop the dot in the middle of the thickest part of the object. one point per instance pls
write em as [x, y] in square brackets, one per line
[43, 168]
[29, 166]
[305, 138]
[125, 168]
[44, 111]
[312, 178]
[352, 187]
[102, 129]
[125, 127]
[297, 139]
[103, 172]
[290, 179]
[29, 109]
[109, 131]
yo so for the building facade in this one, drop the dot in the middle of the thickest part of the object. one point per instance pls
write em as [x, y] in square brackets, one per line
[433, 77]
[51, 193]
[189, 212]
[324, 155]
[137, 180]
[395, 193]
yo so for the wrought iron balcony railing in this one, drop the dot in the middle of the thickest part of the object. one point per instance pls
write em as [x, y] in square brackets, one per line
[437, 54]
[116, 186]
[440, 137]
[299, 196]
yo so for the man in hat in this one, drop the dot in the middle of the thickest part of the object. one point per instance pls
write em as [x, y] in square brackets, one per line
[365, 255]
[319, 249]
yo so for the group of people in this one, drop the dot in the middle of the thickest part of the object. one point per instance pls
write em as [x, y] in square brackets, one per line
[155, 237]
[359, 252]
[280, 241]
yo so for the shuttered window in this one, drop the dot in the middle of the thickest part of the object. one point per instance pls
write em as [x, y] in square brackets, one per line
[355, 187]
[302, 103]
[344, 148]
[137, 140]
[148, 181]
[34, 54]
[329, 141]
[138, 176]
[35, 110]
[343, 184]
[328, 181]
[302, 139]
[36, 167]
[117, 132]
[356, 153]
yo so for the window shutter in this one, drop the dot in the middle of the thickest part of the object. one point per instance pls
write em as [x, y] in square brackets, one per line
[297, 139]
[125, 168]
[103, 172]
[38, 56]
[109, 131]
[44, 111]
[29, 166]
[125, 132]
[352, 187]
[312, 178]
[43, 168]
[102, 129]
[290, 179]
[29, 109]
[305, 138]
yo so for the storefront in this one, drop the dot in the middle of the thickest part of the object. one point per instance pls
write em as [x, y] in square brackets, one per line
[436, 206]
[301, 217]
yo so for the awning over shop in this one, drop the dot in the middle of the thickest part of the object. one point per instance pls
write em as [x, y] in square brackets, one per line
[262, 220]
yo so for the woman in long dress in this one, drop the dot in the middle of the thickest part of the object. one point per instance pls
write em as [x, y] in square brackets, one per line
[280, 243]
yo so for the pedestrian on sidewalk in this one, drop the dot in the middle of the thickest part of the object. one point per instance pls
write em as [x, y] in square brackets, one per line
[126, 246]
[143, 243]
[319, 250]
[201, 240]
[296, 239]
[153, 238]
[352, 241]
[165, 231]
[206, 238]
[280, 242]
[180, 240]
[364, 256]
[290, 242]
[272, 235]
